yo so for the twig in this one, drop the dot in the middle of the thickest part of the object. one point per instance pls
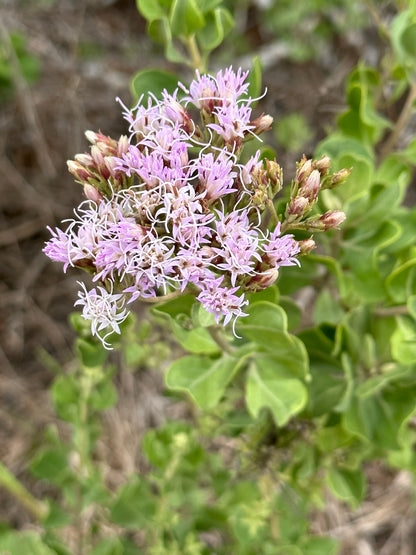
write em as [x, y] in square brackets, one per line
[401, 123]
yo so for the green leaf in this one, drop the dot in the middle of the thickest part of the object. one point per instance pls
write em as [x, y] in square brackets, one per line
[91, 353]
[269, 387]
[293, 312]
[347, 152]
[403, 32]
[203, 378]
[361, 254]
[264, 325]
[18, 543]
[65, 395]
[134, 505]
[152, 81]
[264, 316]
[255, 78]
[347, 485]
[185, 18]
[403, 340]
[218, 24]
[51, 465]
[327, 387]
[196, 340]
[401, 283]
[320, 546]
[379, 418]
[103, 396]
[175, 307]
[327, 309]
[411, 306]
[108, 546]
[151, 9]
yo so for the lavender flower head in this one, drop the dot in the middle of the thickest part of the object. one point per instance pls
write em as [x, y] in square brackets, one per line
[171, 207]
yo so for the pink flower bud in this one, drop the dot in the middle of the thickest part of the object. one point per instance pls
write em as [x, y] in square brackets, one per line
[77, 170]
[303, 171]
[339, 177]
[329, 220]
[261, 124]
[91, 193]
[297, 206]
[322, 165]
[311, 188]
[332, 219]
[263, 280]
[84, 159]
[275, 175]
[306, 246]
[110, 164]
[123, 145]
[97, 156]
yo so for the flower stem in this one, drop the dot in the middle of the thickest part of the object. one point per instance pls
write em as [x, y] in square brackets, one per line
[401, 123]
[197, 60]
[217, 335]
[38, 508]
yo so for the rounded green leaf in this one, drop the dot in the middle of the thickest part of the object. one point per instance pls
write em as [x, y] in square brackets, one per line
[401, 283]
[269, 387]
[218, 24]
[203, 378]
[185, 18]
[152, 81]
[403, 341]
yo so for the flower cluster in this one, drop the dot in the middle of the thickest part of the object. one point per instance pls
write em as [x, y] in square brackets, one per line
[173, 208]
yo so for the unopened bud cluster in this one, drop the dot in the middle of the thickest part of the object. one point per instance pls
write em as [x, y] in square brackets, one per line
[173, 207]
[313, 176]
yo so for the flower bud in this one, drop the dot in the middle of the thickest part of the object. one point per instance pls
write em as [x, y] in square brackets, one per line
[97, 156]
[339, 178]
[84, 159]
[297, 206]
[275, 175]
[78, 171]
[329, 220]
[261, 124]
[123, 145]
[306, 246]
[322, 165]
[91, 193]
[92, 137]
[312, 186]
[304, 169]
[263, 280]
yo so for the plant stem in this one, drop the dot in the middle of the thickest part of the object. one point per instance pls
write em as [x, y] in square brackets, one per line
[38, 508]
[217, 335]
[197, 61]
[400, 124]
[272, 211]
[391, 311]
